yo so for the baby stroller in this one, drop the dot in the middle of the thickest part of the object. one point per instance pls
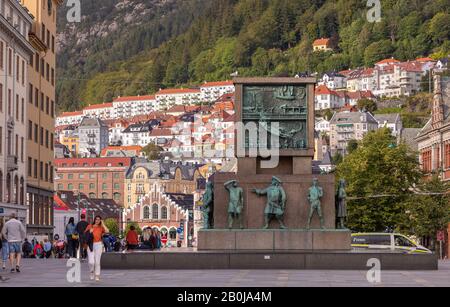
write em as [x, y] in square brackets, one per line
[59, 248]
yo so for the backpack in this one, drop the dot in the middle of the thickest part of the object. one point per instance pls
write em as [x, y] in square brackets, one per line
[39, 251]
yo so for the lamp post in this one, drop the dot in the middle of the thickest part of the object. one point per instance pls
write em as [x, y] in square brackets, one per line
[77, 193]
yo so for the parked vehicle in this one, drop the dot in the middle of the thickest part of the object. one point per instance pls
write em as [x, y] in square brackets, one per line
[387, 241]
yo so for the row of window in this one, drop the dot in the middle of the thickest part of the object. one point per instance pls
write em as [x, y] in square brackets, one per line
[47, 105]
[40, 136]
[45, 170]
[20, 72]
[11, 142]
[91, 186]
[88, 165]
[15, 189]
[44, 68]
[155, 212]
[16, 109]
[91, 176]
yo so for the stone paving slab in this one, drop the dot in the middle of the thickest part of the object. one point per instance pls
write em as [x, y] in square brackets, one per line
[52, 272]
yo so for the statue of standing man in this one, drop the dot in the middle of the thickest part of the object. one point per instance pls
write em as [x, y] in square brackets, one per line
[341, 204]
[235, 204]
[315, 193]
[276, 202]
[208, 206]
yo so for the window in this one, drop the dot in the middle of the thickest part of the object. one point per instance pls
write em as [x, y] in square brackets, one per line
[36, 132]
[104, 175]
[42, 136]
[402, 241]
[47, 106]
[116, 186]
[52, 109]
[116, 175]
[9, 61]
[17, 107]
[23, 72]
[81, 176]
[91, 176]
[30, 130]
[46, 172]
[46, 138]
[22, 115]
[70, 187]
[70, 176]
[35, 168]
[53, 44]
[42, 68]
[47, 75]
[104, 186]
[172, 234]
[91, 186]
[155, 213]
[36, 98]
[92, 195]
[42, 102]
[53, 77]
[21, 148]
[1, 142]
[105, 195]
[1, 97]
[51, 141]
[60, 186]
[41, 170]
[9, 102]
[81, 186]
[116, 197]
[164, 213]
[30, 166]
[146, 213]
[51, 174]
[1, 54]
[37, 62]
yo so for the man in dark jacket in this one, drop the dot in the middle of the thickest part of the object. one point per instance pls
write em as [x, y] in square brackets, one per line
[27, 248]
[80, 229]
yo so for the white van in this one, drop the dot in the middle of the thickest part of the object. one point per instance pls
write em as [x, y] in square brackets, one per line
[387, 241]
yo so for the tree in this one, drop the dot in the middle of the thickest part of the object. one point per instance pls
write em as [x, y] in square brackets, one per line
[377, 51]
[429, 213]
[152, 151]
[367, 104]
[352, 145]
[113, 226]
[379, 178]
[337, 159]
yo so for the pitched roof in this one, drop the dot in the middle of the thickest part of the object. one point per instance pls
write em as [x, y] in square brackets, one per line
[352, 118]
[99, 106]
[321, 42]
[92, 122]
[217, 84]
[323, 90]
[387, 61]
[121, 148]
[387, 118]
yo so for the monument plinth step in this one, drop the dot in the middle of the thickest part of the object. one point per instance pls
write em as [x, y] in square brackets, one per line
[274, 239]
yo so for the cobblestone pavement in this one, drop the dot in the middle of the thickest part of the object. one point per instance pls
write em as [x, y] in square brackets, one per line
[52, 272]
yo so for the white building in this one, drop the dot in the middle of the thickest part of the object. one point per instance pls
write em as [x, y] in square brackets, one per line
[15, 54]
[333, 80]
[102, 111]
[138, 134]
[212, 91]
[69, 118]
[93, 137]
[184, 96]
[130, 106]
[391, 121]
[327, 99]
[322, 125]
[116, 131]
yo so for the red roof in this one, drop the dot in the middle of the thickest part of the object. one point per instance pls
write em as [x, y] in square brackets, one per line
[321, 42]
[388, 61]
[67, 114]
[425, 60]
[99, 106]
[134, 98]
[323, 90]
[161, 132]
[217, 84]
[60, 205]
[93, 162]
[178, 91]
[182, 109]
[135, 148]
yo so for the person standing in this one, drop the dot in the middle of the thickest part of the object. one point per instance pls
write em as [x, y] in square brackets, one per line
[96, 231]
[132, 238]
[82, 243]
[71, 240]
[15, 233]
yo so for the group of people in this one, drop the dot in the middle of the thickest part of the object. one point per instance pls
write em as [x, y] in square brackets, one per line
[150, 239]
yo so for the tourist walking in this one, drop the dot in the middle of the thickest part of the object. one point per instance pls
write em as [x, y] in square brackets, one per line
[15, 233]
[82, 243]
[72, 238]
[132, 238]
[95, 233]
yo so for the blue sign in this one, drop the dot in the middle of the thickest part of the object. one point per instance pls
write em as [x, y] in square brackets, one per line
[179, 230]
[2, 210]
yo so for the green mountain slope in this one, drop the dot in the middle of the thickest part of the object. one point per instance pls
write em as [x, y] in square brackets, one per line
[183, 42]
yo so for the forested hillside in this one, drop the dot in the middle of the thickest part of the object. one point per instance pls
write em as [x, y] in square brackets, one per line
[136, 47]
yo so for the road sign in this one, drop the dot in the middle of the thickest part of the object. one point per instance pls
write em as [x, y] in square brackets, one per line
[441, 235]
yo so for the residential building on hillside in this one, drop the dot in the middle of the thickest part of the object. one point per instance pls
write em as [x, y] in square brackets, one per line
[121, 151]
[167, 98]
[392, 121]
[346, 126]
[139, 133]
[96, 177]
[333, 80]
[102, 111]
[15, 54]
[129, 106]
[93, 136]
[322, 125]
[326, 98]
[69, 118]
[322, 44]
[212, 91]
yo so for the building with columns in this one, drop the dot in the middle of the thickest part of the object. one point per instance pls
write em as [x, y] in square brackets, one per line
[434, 139]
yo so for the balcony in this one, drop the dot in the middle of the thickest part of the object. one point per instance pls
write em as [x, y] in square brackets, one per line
[12, 163]
[91, 135]
[91, 142]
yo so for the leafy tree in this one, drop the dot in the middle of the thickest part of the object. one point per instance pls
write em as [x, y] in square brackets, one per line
[152, 151]
[379, 178]
[429, 211]
[367, 104]
[113, 226]
[337, 159]
[439, 28]
[377, 51]
[352, 145]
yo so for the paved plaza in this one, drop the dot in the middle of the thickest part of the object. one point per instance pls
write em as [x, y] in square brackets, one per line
[52, 272]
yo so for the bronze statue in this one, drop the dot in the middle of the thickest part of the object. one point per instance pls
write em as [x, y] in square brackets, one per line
[208, 206]
[341, 205]
[315, 193]
[235, 204]
[276, 202]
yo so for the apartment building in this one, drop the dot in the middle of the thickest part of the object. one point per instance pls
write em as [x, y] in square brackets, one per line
[15, 54]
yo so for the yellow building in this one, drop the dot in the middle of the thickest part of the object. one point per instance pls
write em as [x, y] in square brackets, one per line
[172, 177]
[71, 142]
[41, 115]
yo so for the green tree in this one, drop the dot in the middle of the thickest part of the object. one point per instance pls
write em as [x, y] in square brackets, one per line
[440, 27]
[377, 51]
[429, 210]
[113, 226]
[367, 104]
[379, 178]
[337, 158]
[352, 145]
[152, 151]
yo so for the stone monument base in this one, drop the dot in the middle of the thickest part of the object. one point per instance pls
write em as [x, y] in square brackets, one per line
[274, 239]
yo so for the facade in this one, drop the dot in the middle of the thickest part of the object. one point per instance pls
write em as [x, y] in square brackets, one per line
[167, 98]
[15, 54]
[391, 121]
[322, 44]
[72, 144]
[327, 99]
[212, 91]
[130, 106]
[346, 126]
[93, 135]
[322, 125]
[96, 177]
[69, 118]
[102, 111]
[121, 151]
[333, 80]
[139, 134]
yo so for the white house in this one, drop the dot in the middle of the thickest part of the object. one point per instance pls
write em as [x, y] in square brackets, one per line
[327, 99]
[69, 118]
[322, 125]
[333, 80]
[212, 91]
[391, 121]
[183, 96]
[130, 106]
[102, 111]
